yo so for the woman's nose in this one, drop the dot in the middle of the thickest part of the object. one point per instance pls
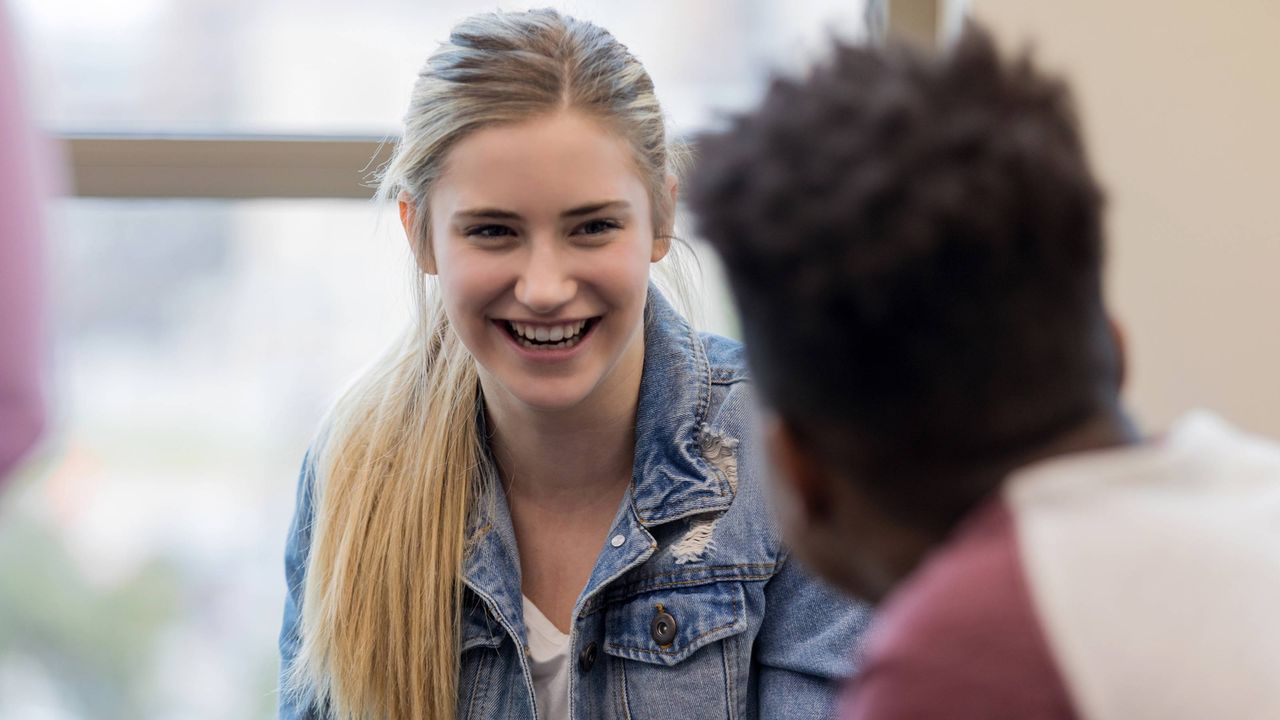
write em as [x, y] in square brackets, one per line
[545, 284]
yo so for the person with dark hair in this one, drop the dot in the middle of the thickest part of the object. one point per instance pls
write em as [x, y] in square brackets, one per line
[915, 244]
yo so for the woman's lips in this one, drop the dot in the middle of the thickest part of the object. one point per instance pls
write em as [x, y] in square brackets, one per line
[548, 342]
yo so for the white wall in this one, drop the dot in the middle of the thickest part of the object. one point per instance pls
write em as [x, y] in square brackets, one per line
[1181, 103]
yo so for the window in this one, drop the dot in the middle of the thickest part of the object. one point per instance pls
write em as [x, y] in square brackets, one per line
[198, 339]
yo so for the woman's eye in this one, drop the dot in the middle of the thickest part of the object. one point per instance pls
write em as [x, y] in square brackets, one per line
[489, 231]
[598, 227]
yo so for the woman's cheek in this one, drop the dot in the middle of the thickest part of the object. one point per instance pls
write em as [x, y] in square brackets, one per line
[628, 270]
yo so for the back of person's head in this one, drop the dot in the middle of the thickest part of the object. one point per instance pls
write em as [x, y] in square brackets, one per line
[402, 465]
[915, 244]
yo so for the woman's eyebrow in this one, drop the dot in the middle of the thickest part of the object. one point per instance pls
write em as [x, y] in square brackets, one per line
[595, 207]
[490, 213]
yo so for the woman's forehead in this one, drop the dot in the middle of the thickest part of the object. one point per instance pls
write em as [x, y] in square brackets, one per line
[550, 163]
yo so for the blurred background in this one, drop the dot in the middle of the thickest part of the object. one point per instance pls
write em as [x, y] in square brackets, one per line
[216, 274]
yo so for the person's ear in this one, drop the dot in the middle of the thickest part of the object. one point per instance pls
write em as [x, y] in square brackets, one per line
[831, 524]
[1122, 350]
[409, 220]
[801, 476]
[663, 237]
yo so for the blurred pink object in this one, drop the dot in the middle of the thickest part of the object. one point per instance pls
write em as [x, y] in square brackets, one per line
[22, 182]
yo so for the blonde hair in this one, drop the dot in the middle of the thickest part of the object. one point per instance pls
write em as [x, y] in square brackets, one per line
[402, 465]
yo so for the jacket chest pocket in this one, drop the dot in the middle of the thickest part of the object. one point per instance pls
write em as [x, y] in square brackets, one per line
[676, 652]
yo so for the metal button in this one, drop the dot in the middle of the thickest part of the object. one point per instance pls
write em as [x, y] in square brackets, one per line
[663, 627]
[587, 658]
[617, 540]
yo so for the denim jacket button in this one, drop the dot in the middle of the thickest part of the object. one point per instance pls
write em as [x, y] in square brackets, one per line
[587, 658]
[663, 627]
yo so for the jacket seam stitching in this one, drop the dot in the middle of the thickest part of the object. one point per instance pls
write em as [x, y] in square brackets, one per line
[628, 592]
[730, 696]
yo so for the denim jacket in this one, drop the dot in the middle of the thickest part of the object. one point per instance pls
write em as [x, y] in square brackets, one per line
[693, 610]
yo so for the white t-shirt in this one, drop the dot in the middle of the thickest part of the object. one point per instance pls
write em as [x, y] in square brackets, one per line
[1174, 544]
[549, 663]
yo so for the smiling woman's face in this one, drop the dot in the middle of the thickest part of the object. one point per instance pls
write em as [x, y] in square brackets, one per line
[542, 237]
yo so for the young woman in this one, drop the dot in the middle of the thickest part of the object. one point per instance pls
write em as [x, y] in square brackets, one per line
[540, 504]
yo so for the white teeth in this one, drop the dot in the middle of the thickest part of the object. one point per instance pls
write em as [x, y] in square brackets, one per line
[562, 335]
[524, 330]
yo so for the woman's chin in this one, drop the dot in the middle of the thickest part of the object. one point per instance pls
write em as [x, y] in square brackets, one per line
[551, 395]
[540, 393]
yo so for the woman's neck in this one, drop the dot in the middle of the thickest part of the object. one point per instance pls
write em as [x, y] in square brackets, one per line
[571, 458]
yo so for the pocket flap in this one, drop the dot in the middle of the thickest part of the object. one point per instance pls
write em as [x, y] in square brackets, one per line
[701, 615]
[478, 629]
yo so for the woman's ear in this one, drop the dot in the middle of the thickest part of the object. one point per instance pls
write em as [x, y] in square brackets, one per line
[409, 220]
[662, 239]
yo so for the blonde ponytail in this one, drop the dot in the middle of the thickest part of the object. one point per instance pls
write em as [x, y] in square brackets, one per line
[396, 479]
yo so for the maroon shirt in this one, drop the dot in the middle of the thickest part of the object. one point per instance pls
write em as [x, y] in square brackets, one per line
[960, 639]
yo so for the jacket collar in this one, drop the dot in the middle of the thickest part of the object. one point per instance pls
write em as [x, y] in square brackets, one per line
[672, 478]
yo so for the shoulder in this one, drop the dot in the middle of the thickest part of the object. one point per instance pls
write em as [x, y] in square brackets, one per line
[726, 358]
[1109, 539]
[962, 634]
[730, 408]
[729, 427]
[967, 588]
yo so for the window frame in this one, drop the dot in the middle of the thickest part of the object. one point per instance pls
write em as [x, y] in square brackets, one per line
[231, 166]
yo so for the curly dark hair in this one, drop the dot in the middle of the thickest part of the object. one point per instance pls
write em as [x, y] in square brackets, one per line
[915, 244]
